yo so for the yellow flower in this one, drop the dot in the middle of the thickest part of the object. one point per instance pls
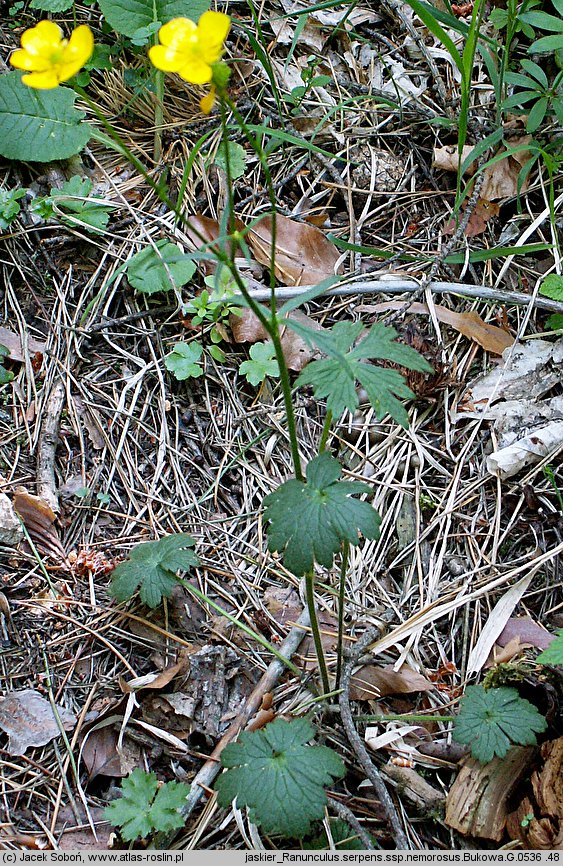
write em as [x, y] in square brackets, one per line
[190, 49]
[48, 57]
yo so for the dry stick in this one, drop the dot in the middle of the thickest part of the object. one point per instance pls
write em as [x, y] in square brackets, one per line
[390, 286]
[356, 742]
[47, 446]
[212, 766]
[347, 815]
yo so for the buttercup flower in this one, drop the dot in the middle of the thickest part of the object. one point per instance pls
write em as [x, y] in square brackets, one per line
[191, 50]
[48, 57]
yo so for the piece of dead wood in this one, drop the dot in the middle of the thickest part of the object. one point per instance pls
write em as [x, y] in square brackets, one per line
[538, 821]
[476, 804]
[47, 445]
[414, 787]
[212, 767]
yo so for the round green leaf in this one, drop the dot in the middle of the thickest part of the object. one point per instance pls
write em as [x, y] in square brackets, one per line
[39, 125]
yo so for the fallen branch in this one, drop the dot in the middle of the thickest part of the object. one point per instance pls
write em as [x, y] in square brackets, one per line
[47, 446]
[387, 286]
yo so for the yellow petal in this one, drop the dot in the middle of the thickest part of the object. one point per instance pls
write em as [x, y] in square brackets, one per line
[196, 71]
[165, 59]
[80, 47]
[177, 32]
[207, 102]
[21, 59]
[212, 30]
[41, 80]
[42, 39]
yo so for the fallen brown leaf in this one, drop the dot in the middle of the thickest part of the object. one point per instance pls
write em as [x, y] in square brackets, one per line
[29, 720]
[446, 158]
[500, 180]
[527, 630]
[201, 230]
[158, 680]
[100, 755]
[247, 328]
[39, 520]
[481, 214]
[375, 681]
[303, 255]
[14, 346]
[469, 323]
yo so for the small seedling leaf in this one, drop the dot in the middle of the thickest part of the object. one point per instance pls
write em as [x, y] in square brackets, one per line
[309, 521]
[139, 812]
[152, 567]
[490, 720]
[335, 377]
[184, 361]
[261, 363]
[553, 655]
[160, 270]
[279, 777]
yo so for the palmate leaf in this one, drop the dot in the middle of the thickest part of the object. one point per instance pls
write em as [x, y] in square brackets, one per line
[262, 363]
[184, 361]
[39, 125]
[279, 777]
[128, 16]
[309, 521]
[335, 377]
[152, 566]
[490, 720]
[139, 812]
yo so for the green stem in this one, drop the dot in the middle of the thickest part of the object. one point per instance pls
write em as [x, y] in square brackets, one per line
[158, 113]
[310, 591]
[243, 627]
[325, 432]
[272, 326]
[341, 599]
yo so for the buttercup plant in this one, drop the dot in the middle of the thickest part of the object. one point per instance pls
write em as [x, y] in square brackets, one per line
[194, 51]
